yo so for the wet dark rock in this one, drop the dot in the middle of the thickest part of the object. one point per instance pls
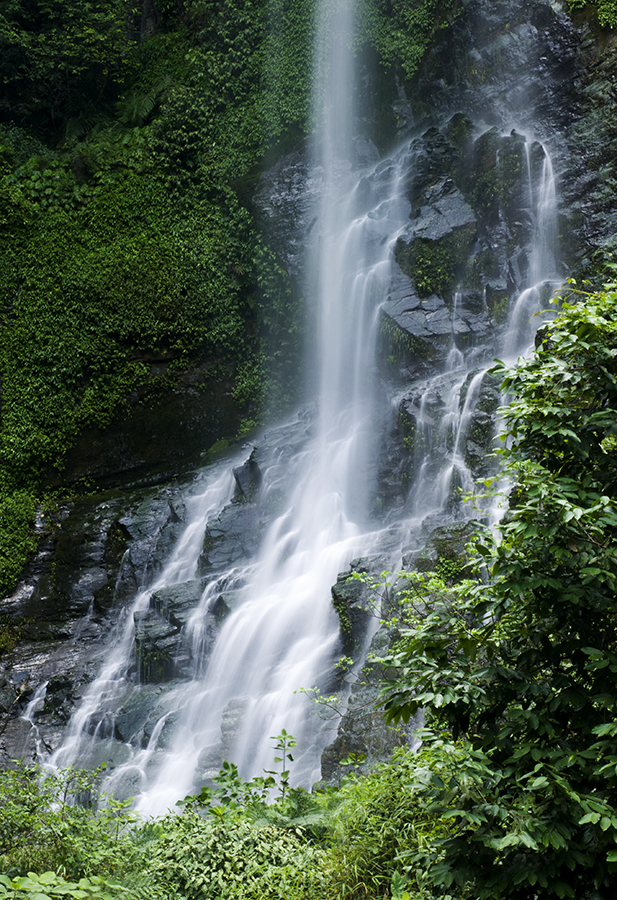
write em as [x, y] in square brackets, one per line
[355, 605]
[175, 602]
[445, 547]
[225, 603]
[131, 721]
[366, 153]
[283, 203]
[163, 428]
[230, 725]
[248, 479]
[95, 553]
[157, 643]
[160, 647]
[362, 730]
[231, 537]
[466, 252]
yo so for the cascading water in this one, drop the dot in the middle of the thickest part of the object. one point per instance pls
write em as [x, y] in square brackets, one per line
[441, 481]
[277, 631]
[282, 634]
[94, 717]
[542, 279]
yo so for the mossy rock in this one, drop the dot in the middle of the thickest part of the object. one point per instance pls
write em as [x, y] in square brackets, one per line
[445, 551]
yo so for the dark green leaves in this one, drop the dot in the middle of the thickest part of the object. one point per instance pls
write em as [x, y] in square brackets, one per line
[523, 665]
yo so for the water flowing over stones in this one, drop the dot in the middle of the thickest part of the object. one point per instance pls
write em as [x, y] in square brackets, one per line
[176, 623]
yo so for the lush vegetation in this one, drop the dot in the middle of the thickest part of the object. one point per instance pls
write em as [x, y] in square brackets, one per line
[605, 10]
[130, 136]
[520, 666]
[125, 165]
[513, 793]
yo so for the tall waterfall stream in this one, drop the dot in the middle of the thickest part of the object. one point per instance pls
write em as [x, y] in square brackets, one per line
[260, 630]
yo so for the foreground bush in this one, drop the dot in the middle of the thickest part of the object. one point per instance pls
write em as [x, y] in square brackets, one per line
[203, 859]
[52, 821]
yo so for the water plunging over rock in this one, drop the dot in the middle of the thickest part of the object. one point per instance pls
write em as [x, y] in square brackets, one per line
[181, 619]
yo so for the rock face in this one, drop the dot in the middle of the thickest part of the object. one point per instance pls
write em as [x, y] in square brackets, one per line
[465, 255]
[94, 557]
[166, 427]
[94, 554]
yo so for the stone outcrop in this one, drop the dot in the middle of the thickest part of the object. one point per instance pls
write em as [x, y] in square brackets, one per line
[166, 427]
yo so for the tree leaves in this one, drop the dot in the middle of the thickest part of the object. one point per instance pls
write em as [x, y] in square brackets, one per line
[524, 665]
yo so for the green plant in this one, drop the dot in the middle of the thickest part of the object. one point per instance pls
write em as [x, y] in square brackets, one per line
[377, 822]
[57, 55]
[284, 743]
[402, 30]
[17, 514]
[229, 857]
[58, 821]
[606, 10]
[48, 886]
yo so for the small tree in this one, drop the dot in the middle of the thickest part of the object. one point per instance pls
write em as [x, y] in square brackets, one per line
[522, 663]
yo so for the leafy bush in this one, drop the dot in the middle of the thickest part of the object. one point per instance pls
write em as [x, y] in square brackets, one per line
[402, 30]
[48, 886]
[606, 10]
[58, 55]
[17, 513]
[228, 857]
[381, 820]
[57, 821]
[523, 665]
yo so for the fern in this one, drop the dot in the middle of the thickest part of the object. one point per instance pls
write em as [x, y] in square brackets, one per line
[136, 108]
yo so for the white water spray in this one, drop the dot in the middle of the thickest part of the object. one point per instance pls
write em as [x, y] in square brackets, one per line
[284, 633]
[542, 280]
[93, 718]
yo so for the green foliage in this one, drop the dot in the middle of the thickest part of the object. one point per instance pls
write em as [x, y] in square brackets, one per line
[433, 268]
[104, 274]
[226, 858]
[52, 821]
[284, 743]
[382, 820]
[48, 885]
[17, 513]
[59, 56]
[10, 634]
[606, 10]
[523, 665]
[402, 30]
[231, 842]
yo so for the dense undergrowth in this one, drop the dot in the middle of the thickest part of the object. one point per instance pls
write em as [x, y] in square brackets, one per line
[234, 840]
[513, 793]
[605, 10]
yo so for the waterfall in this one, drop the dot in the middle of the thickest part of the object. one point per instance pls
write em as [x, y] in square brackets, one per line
[542, 280]
[442, 418]
[282, 634]
[93, 719]
[238, 684]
